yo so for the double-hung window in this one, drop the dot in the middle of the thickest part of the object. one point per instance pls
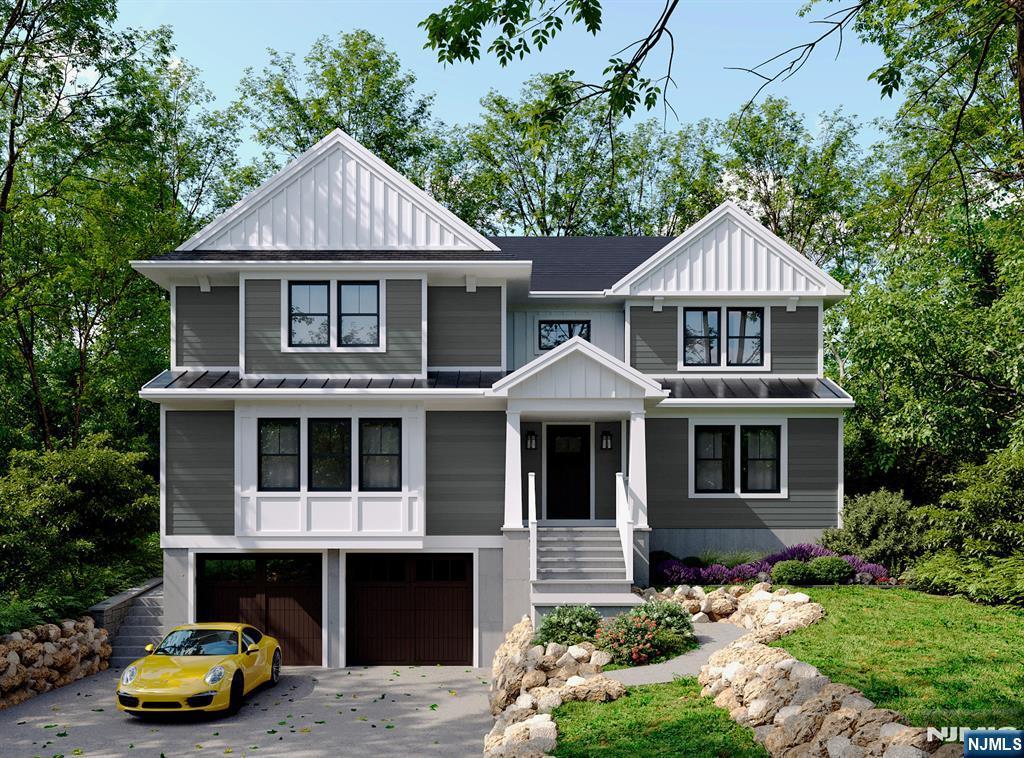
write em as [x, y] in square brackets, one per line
[358, 314]
[309, 317]
[330, 454]
[278, 463]
[717, 469]
[744, 337]
[551, 334]
[701, 337]
[380, 454]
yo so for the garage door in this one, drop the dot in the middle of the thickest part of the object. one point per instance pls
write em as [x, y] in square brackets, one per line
[277, 593]
[409, 609]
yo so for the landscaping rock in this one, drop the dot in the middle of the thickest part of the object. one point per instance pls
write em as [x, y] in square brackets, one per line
[600, 658]
[535, 678]
[509, 668]
[555, 649]
[700, 618]
[579, 653]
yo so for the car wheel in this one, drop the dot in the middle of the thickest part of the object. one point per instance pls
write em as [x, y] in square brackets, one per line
[237, 692]
[275, 668]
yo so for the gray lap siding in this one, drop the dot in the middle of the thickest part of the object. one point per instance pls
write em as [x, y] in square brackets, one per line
[795, 340]
[199, 470]
[206, 326]
[404, 340]
[813, 456]
[464, 328]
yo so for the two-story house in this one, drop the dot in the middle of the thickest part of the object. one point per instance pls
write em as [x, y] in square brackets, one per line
[386, 436]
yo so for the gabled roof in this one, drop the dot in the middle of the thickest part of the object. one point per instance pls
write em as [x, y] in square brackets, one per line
[728, 253]
[338, 196]
[578, 369]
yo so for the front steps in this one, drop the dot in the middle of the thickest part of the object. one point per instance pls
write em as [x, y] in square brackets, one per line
[581, 565]
[143, 624]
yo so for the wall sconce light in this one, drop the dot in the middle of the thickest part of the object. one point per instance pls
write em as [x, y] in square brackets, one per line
[531, 440]
[606, 440]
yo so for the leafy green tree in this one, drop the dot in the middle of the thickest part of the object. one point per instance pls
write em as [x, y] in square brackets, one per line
[354, 83]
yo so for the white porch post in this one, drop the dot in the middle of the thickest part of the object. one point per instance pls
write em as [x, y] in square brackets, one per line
[638, 466]
[513, 473]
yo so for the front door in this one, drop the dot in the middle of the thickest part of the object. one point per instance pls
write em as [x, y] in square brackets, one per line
[568, 471]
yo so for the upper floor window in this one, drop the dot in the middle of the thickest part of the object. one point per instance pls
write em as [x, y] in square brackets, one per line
[309, 319]
[551, 334]
[745, 344]
[701, 337]
[380, 454]
[278, 462]
[330, 454]
[358, 314]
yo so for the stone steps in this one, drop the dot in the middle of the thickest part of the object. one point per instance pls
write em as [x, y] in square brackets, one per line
[143, 625]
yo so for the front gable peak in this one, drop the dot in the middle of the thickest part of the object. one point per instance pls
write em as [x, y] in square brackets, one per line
[338, 196]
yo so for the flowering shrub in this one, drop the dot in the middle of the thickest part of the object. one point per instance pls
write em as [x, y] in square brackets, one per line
[568, 625]
[668, 615]
[674, 571]
[633, 639]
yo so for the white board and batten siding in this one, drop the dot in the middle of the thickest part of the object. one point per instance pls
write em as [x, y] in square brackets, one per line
[607, 331]
[338, 196]
[576, 376]
[399, 513]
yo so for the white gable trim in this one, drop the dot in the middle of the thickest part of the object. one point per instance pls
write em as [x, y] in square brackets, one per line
[471, 239]
[578, 345]
[829, 286]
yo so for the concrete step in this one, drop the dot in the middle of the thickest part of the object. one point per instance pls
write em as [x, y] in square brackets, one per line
[580, 573]
[135, 640]
[146, 610]
[614, 562]
[580, 586]
[150, 600]
[134, 620]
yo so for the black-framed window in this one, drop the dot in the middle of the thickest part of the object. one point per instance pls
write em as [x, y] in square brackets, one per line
[701, 337]
[759, 458]
[278, 463]
[713, 459]
[380, 454]
[358, 314]
[551, 334]
[744, 336]
[329, 453]
[309, 314]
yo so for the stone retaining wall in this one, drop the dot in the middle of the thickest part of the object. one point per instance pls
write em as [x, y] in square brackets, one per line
[46, 656]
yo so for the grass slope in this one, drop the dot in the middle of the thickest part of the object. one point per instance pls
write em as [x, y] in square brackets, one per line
[941, 661]
[654, 720]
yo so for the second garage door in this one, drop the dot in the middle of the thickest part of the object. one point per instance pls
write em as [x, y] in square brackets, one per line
[409, 609]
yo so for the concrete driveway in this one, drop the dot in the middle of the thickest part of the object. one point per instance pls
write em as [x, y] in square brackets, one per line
[379, 711]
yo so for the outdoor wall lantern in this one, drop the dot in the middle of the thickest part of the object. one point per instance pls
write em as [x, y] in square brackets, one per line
[606, 440]
[531, 440]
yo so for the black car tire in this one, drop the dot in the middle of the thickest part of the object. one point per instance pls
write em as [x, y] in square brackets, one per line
[275, 668]
[237, 693]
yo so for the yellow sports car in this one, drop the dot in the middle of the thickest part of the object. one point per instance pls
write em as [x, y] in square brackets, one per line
[200, 667]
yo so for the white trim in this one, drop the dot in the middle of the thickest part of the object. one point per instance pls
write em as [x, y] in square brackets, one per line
[241, 325]
[736, 423]
[334, 314]
[424, 294]
[457, 543]
[325, 621]
[163, 473]
[294, 542]
[626, 352]
[544, 471]
[342, 608]
[476, 606]
[414, 195]
[212, 393]
[821, 339]
[723, 366]
[174, 327]
[504, 326]
[190, 595]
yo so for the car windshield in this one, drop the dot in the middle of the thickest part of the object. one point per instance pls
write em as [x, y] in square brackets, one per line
[199, 642]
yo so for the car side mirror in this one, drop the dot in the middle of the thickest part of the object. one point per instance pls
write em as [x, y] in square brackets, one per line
[149, 648]
[252, 649]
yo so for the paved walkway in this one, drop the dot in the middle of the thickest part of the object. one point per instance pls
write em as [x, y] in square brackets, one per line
[378, 711]
[712, 637]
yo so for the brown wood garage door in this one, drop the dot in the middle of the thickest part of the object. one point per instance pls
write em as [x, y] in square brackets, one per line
[277, 593]
[409, 609]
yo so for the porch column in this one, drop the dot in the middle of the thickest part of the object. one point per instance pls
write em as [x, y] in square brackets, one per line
[638, 466]
[513, 472]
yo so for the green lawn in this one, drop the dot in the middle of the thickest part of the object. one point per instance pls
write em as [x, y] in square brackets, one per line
[938, 660]
[658, 719]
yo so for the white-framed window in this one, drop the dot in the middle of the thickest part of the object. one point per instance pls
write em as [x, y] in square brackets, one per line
[333, 315]
[737, 458]
[724, 338]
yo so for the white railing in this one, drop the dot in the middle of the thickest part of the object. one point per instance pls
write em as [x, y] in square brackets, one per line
[531, 500]
[624, 522]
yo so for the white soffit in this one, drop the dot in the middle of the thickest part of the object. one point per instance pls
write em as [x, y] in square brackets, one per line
[728, 253]
[576, 369]
[338, 196]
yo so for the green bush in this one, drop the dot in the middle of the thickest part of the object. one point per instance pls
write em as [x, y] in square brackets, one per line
[633, 639]
[997, 581]
[667, 615]
[880, 527]
[568, 625]
[830, 570]
[791, 572]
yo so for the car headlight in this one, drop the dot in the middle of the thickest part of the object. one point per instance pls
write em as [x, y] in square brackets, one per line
[214, 675]
[129, 674]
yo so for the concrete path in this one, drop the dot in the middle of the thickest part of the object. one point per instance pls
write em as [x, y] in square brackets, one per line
[378, 711]
[712, 637]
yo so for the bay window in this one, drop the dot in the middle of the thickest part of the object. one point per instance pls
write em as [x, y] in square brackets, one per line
[380, 454]
[330, 454]
[278, 463]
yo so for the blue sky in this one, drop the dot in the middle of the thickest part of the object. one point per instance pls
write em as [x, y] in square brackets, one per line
[222, 37]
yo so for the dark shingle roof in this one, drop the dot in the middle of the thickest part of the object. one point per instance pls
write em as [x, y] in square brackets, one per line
[579, 264]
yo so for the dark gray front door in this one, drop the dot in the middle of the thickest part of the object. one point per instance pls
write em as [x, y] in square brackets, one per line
[568, 471]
